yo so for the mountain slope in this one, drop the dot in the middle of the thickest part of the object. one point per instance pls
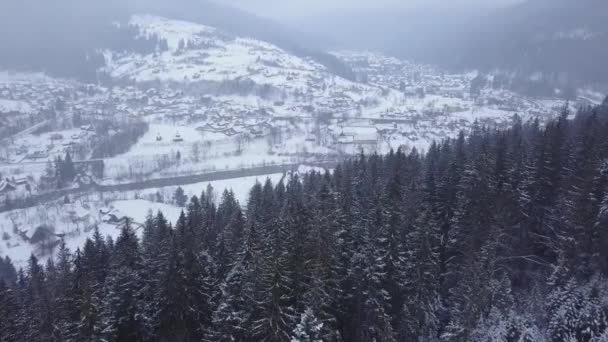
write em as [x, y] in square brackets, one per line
[74, 32]
[245, 24]
[200, 57]
[199, 52]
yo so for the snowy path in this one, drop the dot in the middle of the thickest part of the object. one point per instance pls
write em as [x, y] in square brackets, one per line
[28, 130]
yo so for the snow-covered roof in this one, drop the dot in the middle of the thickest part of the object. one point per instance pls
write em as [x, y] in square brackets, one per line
[346, 139]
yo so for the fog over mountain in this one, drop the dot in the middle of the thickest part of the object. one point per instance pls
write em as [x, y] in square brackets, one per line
[517, 36]
[302, 8]
[40, 35]
[510, 35]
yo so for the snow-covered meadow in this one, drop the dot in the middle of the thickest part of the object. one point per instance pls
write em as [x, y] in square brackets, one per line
[74, 221]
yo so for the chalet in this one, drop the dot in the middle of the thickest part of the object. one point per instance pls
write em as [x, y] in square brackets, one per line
[387, 128]
[178, 138]
[349, 145]
[353, 139]
[344, 139]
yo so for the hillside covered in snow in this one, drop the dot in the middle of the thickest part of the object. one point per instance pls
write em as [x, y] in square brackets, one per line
[193, 99]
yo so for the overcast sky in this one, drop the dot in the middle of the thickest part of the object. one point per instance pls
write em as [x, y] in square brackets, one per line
[295, 8]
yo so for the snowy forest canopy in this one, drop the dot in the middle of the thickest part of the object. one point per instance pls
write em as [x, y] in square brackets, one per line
[494, 236]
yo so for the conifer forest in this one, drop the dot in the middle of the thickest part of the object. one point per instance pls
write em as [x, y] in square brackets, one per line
[496, 235]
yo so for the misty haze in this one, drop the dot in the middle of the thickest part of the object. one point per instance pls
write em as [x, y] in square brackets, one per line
[303, 171]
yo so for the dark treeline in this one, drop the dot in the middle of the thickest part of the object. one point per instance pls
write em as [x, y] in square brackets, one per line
[501, 236]
[120, 141]
[63, 172]
[8, 273]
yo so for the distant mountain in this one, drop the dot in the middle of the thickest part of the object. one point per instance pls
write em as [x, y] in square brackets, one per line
[64, 37]
[57, 37]
[559, 40]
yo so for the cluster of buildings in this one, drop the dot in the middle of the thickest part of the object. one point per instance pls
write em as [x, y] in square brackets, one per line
[396, 103]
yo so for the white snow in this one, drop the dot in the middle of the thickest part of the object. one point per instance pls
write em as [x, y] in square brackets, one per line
[171, 30]
[14, 106]
[209, 55]
[77, 219]
[138, 209]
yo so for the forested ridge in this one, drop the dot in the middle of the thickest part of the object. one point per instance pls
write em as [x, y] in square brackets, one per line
[493, 236]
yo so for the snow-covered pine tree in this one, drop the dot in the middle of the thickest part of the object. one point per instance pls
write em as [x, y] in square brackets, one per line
[295, 220]
[389, 247]
[65, 308]
[419, 317]
[156, 242]
[322, 290]
[369, 301]
[231, 319]
[273, 317]
[184, 289]
[180, 197]
[578, 311]
[35, 322]
[194, 216]
[118, 311]
[309, 329]
[9, 310]
[7, 270]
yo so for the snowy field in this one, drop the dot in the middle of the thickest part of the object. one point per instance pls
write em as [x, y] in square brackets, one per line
[7, 106]
[76, 220]
[150, 159]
